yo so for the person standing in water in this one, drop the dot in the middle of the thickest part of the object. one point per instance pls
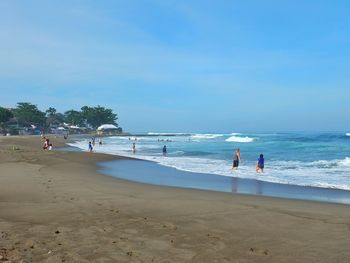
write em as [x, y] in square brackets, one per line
[236, 159]
[260, 164]
[133, 148]
[164, 150]
[90, 147]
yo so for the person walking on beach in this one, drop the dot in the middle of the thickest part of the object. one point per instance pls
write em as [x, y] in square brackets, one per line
[164, 150]
[236, 159]
[90, 147]
[133, 148]
[260, 164]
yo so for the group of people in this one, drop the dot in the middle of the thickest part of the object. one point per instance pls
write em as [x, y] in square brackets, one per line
[133, 149]
[260, 163]
[92, 143]
[47, 145]
[162, 140]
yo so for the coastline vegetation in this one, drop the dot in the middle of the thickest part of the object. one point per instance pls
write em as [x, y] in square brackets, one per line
[27, 119]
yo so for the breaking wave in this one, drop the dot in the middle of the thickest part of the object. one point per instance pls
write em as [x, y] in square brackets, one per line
[235, 138]
[206, 136]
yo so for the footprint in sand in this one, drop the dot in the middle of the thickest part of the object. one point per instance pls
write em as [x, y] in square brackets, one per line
[265, 252]
[3, 235]
[214, 237]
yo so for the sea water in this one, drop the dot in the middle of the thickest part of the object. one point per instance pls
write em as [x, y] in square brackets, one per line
[308, 159]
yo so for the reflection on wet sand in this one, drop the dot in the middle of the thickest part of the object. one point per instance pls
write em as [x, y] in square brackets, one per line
[235, 186]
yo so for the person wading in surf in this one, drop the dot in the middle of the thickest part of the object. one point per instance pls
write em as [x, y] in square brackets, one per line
[236, 159]
[260, 164]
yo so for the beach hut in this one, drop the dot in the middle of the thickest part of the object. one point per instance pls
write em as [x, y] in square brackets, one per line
[60, 130]
[107, 129]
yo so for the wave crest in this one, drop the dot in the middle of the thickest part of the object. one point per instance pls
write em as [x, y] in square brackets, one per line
[206, 136]
[240, 139]
[165, 133]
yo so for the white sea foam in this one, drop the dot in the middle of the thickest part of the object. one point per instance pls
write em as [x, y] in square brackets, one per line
[235, 138]
[166, 133]
[206, 136]
[322, 173]
[337, 163]
[345, 162]
[347, 134]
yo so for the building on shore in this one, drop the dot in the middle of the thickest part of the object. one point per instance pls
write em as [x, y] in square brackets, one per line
[108, 129]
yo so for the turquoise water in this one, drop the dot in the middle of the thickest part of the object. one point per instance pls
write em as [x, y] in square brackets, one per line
[310, 159]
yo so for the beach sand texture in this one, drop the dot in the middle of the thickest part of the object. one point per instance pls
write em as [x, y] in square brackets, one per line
[55, 207]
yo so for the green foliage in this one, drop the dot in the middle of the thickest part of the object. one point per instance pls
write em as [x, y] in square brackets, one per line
[5, 115]
[96, 116]
[50, 112]
[74, 117]
[53, 118]
[27, 113]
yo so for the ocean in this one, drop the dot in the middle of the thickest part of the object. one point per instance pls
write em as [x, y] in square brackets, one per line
[306, 159]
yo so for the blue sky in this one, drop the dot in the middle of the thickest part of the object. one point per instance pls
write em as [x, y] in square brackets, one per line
[201, 66]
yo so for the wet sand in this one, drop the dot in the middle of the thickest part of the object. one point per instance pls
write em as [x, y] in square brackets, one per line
[153, 173]
[55, 207]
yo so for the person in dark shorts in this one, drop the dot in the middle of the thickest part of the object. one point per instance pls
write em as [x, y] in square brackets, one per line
[90, 147]
[164, 150]
[260, 164]
[236, 159]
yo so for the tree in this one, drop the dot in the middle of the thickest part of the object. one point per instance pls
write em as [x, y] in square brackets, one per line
[96, 116]
[5, 115]
[74, 117]
[27, 113]
[50, 112]
[53, 117]
[56, 119]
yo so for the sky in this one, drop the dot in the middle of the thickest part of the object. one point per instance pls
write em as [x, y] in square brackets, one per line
[182, 65]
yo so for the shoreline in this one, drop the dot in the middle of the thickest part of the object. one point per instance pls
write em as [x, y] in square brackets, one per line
[238, 185]
[150, 172]
[213, 156]
[56, 207]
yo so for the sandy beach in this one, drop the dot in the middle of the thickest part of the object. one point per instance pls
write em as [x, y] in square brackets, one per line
[56, 207]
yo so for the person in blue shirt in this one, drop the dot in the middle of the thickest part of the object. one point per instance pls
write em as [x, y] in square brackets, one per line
[260, 164]
[164, 150]
[90, 147]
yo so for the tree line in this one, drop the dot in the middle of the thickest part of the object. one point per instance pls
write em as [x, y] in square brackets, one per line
[26, 113]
